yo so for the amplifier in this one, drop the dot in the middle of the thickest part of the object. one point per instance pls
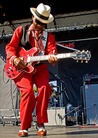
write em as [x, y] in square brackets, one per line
[56, 116]
[90, 79]
[90, 100]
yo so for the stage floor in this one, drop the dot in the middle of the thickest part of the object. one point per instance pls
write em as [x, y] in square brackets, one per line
[76, 131]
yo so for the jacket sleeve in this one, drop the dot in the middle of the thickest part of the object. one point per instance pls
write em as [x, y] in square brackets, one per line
[51, 45]
[12, 46]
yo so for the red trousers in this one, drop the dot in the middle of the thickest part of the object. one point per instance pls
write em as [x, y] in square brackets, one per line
[28, 101]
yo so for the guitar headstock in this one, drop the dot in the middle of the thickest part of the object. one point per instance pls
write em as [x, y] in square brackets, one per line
[82, 55]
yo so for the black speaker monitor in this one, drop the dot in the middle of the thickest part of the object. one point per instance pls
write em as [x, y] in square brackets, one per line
[90, 100]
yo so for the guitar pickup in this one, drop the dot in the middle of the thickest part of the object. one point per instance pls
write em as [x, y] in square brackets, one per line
[10, 69]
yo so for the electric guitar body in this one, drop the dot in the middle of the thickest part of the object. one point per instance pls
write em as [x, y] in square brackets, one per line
[31, 57]
[13, 72]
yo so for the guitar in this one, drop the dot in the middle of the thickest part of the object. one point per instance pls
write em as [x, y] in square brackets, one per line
[31, 57]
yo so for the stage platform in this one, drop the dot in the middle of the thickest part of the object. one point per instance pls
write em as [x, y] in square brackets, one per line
[76, 131]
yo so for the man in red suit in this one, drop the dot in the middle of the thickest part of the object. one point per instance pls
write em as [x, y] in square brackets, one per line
[43, 43]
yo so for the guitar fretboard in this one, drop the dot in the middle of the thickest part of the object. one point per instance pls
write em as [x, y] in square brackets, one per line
[45, 57]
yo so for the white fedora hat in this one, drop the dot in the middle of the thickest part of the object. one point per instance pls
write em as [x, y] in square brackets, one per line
[42, 13]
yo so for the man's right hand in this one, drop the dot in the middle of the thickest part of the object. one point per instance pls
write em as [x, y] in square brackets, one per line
[19, 63]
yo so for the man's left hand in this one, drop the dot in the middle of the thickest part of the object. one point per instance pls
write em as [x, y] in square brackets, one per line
[53, 59]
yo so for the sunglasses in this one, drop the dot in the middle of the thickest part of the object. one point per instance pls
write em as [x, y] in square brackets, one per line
[38, 22]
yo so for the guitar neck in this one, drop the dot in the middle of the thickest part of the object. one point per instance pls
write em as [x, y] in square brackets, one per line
[45, 57]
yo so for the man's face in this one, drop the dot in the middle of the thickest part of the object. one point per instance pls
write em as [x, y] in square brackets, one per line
[39, 26]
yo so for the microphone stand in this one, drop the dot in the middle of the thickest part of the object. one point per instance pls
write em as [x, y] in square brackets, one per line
[62, 90]
[76, 110]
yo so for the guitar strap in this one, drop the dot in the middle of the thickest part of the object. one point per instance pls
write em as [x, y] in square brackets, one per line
[25, 42]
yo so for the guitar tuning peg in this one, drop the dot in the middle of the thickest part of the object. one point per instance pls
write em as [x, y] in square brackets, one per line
[86, 61]
[77, 61]
[82, 50]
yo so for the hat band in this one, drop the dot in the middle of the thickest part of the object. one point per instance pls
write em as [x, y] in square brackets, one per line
[41, 16]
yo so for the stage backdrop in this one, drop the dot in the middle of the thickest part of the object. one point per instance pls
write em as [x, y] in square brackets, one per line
[72, 73]
[68, 72]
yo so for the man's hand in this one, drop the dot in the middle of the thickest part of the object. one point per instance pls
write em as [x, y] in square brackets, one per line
[53, 59]
[19, 63]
